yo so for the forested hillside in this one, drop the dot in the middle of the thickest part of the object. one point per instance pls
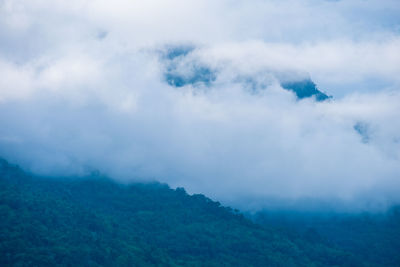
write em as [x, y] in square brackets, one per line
[93, 221]
[374, 238]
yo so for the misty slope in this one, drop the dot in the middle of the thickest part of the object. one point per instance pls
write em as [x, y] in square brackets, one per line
[373, 236]
[96, 222]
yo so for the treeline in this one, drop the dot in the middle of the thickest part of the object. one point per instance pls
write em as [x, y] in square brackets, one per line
[94, 221]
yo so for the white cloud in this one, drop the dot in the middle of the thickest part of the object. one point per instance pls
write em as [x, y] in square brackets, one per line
[71, 100]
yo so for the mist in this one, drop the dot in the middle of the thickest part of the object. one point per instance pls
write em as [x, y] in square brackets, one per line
[84, 87]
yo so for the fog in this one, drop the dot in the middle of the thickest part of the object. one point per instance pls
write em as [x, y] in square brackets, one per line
[84, 88]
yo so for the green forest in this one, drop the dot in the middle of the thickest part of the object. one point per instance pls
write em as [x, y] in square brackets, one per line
[95, 221]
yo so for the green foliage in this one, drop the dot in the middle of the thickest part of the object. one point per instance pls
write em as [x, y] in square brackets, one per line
[94, 221]
[373, 238]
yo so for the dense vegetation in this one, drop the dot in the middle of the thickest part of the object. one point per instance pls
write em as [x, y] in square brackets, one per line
[373, 238]
[94, 221]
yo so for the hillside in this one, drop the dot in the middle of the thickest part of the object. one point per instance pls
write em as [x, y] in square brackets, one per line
[374, 238]
[93, 221]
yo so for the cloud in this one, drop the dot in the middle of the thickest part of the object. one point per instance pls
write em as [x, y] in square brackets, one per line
[84, 88]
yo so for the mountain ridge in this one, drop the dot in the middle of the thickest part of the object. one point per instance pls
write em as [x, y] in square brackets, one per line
[95, 221]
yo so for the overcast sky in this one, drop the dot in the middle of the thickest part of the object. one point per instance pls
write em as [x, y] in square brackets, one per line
[82, 88]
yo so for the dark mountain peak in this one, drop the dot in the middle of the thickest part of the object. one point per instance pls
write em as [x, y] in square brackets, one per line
[305, 88]
[182, 68]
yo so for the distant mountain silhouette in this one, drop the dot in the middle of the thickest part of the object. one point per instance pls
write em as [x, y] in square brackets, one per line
[199, 74]
[304, 89]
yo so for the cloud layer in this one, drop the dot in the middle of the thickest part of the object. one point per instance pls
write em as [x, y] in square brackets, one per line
[83, 87]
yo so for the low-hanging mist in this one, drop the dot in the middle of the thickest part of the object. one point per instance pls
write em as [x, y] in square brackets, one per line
[111, 96]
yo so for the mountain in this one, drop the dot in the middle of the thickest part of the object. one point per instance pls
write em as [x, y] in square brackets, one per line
[94, 221]
[181, 70]
[373, 237]
[304, 89]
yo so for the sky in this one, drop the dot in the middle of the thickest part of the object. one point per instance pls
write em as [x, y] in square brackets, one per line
[83, 87]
